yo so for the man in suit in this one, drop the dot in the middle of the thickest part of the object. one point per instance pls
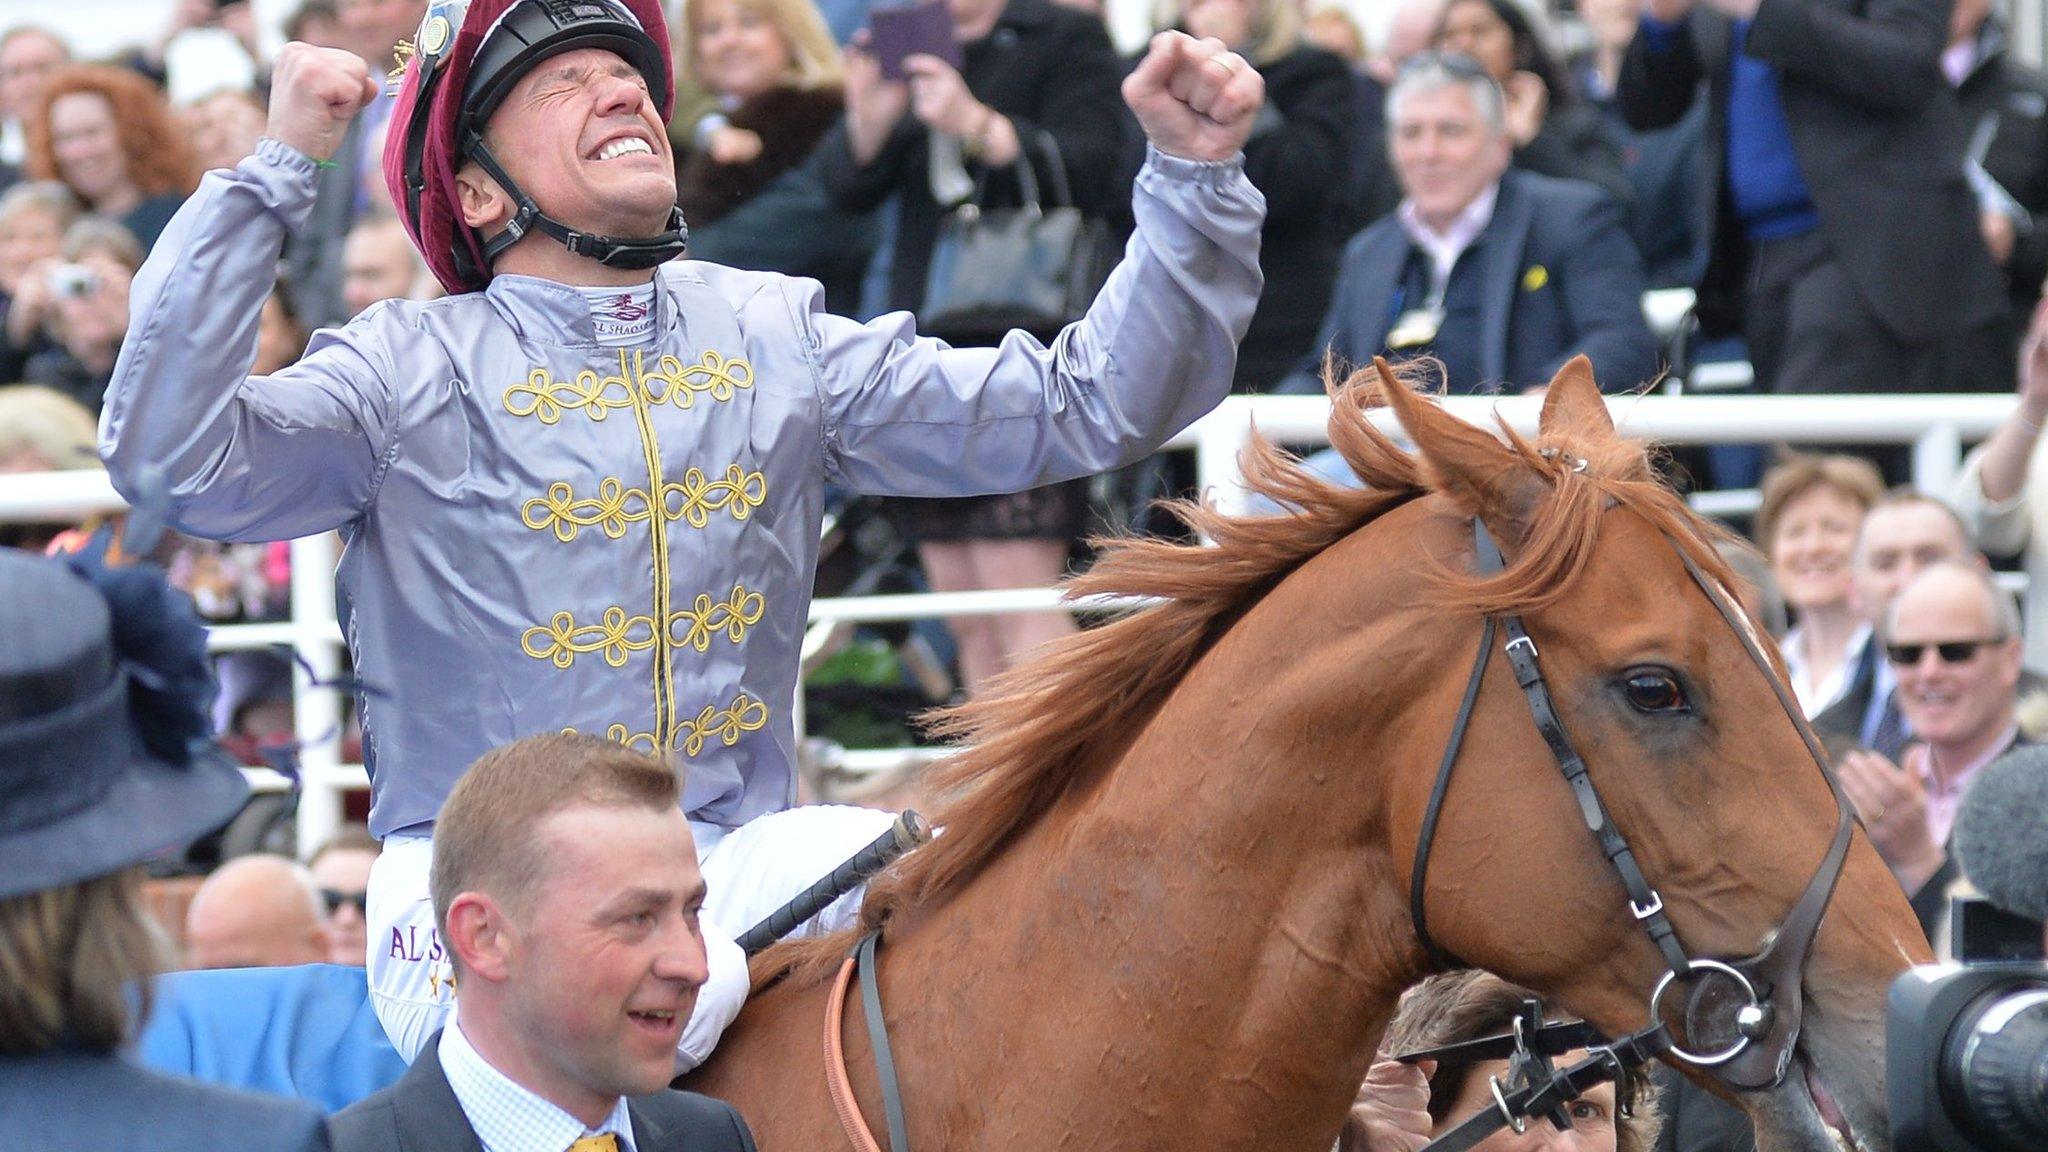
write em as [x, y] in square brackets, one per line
[567, 894]
[1902, 535]
[2005, 117]
[1953, 640]
[99, 776]
[1845, 243]
[1501, 276]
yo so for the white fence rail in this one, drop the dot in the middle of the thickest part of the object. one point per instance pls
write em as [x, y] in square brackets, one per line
[1937, 427]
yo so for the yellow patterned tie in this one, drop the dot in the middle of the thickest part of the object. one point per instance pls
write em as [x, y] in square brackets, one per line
[602, 1142]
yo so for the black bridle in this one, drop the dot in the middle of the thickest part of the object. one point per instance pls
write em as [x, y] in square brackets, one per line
[1767, 984]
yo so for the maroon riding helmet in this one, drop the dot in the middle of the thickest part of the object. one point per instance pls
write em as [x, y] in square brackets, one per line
[467, 56]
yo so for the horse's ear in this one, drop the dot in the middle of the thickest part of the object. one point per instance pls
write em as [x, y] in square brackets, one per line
[1573, 407]
[1490, 479]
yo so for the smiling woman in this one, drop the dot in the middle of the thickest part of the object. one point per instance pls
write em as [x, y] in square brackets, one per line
[1812, 509]
[111, 138]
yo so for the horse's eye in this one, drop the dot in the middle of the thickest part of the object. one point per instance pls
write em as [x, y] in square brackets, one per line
[1655, 692]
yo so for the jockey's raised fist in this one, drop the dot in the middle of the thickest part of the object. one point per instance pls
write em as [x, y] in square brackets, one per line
[1195, 98]
[314, 93]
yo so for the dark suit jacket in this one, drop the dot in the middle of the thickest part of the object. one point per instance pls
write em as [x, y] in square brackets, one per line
[1589, 298]
[2009, 101]
[88, 1102]
[1879, 141]
[420, 1114]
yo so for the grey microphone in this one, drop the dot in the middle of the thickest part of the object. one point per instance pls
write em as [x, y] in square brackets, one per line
[2001, 832]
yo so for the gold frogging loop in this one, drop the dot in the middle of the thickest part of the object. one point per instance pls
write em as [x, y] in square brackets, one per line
[615, 505]
[600, 394]
[725, 725]
[617, 634]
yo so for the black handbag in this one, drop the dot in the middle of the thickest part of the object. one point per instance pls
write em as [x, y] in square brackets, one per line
[1034, 267]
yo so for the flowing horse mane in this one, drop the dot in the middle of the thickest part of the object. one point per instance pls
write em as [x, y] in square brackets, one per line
[1053, 726]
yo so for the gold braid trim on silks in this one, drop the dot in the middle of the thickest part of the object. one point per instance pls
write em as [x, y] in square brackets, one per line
[615, 505]
[725, 725]
[561, 639]
[618, 632]
[636, 387]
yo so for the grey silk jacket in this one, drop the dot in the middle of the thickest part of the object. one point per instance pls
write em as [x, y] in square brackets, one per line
[543, 534]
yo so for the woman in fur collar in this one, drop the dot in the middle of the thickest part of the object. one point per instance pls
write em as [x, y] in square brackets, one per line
[772, 80]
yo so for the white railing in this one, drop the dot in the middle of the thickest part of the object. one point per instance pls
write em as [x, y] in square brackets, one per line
[1936, 426]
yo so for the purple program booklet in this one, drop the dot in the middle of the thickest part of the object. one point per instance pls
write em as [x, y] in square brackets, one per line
[911, 30]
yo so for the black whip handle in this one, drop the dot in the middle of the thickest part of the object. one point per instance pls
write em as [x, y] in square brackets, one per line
[908, 832]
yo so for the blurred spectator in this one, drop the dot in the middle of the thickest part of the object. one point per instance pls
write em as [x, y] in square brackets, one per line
[33, 217]
[1371, 186]
[1952, 639]
[348, 187]
[28, 55]
[226, 21]
[1411, 30]
[746, 175]
[256, 911]
[1403, 1106]
[1336, 31]
[112, 139]
[225, 124]
[91, 793]
[1844, 241]
[42, 430]
[1298, 157]
[1038, 84]
[316, 22]
[1501, 276]
[80, 303]
[341, 867]
[1902, 534]
[2005, 113]
[380, 263]
[2002, 493]
[1663, 164]
[1555, 133]
[1807, 523]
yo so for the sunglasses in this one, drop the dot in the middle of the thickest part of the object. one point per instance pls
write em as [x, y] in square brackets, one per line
[1951, 652]
[334, 900]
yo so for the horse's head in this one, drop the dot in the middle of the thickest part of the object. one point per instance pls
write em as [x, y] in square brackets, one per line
[1691, 747]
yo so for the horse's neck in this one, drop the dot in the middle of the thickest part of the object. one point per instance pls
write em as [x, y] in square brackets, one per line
[1206, 945]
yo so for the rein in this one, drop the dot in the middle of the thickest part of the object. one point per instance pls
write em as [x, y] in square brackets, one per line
[1768, 983]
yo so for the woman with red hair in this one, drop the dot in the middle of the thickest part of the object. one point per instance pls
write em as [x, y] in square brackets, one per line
[110, 136]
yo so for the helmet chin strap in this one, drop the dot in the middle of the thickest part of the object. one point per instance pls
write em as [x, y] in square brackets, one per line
[611, 251]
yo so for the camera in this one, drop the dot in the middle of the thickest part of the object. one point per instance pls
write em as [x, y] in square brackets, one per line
[74, 281]
[1966, 1044]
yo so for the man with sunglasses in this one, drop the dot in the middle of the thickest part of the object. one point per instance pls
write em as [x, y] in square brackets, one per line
[1952, 638]
[584, 491]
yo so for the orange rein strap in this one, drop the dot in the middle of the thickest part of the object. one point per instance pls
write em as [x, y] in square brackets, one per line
[836, 1080]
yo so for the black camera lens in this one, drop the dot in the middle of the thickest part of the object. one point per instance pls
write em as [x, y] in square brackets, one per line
[1994, 1069]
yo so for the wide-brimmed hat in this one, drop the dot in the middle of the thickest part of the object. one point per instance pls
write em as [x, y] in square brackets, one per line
[104, 755]
[452, 83]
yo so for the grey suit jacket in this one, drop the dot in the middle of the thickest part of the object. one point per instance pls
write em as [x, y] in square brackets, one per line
[420, 1114]
[313, 256]
[90, 1102]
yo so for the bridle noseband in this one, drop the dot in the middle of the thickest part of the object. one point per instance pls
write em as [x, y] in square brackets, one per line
[1768, 983]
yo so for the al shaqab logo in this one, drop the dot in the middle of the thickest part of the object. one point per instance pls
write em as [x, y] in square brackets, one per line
[624, 309]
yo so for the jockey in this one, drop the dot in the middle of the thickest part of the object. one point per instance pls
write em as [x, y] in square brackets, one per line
[584, 490]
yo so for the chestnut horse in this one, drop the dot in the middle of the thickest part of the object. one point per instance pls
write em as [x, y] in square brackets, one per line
[1170, 907]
